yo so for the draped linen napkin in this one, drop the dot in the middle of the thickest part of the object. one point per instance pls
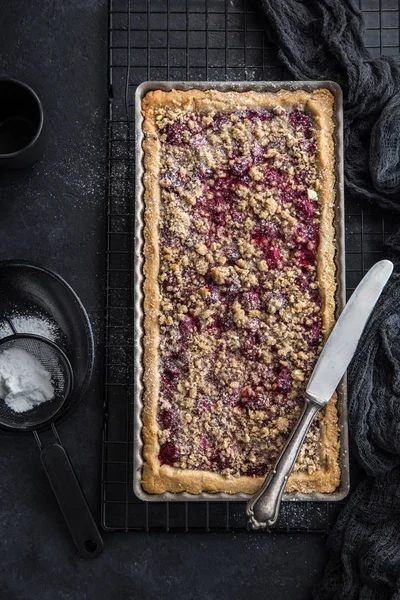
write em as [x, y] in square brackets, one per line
[323, 39]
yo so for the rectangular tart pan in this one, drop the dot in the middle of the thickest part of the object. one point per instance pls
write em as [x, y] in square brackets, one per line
[223, 86]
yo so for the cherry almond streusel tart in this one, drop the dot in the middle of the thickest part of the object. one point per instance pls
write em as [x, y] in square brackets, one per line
[239, 290]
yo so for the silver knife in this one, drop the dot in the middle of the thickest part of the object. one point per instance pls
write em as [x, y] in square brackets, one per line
[263, 508]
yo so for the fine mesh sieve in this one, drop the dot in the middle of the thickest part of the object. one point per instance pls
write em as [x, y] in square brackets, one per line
[54, 458]
[55, 362]
[41, 419]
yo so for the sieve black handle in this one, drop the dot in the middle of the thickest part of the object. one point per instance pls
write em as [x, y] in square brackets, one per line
[72, 501]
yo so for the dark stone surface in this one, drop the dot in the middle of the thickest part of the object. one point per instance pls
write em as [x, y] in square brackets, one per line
[54, 214]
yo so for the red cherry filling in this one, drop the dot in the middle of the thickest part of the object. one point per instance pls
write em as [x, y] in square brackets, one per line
[254, 115]
[220, 119]
[169, 376]
[249, 399]
[273, 257]
[250, 350]
[167, 283]
[232, 254]
[305, 258]
[315, 296]
[168, 453]
[270, 229]
[259, 470]
[223, 322]
[258, 154]
[283, 381]
[301, 177]
[219, 324]
[214, 295]
[250, 346]
[218, 218]
[289, 195]
[220, 462]
[221, 185]
[315, 333]
[271, 252]
[231, 291]
[303, 282]
[252, 299]
[307, 235]
[301, 122]
[203, 174]
[214, 208]
[240, 167]
[273, 176]
[237, 217]
[204, 444]
[190, 325]
[307, 208]
[309, 147]
[175, 133]
[202, 406]
[165, 418]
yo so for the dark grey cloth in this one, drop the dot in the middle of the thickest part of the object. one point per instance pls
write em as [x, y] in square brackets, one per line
[365, 543]
[323, 39]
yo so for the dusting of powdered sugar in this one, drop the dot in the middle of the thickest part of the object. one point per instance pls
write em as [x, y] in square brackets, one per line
[24, 382]
[36, 324]
[82, 168]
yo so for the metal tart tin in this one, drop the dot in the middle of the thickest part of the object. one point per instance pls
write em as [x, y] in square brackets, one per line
[264, 86]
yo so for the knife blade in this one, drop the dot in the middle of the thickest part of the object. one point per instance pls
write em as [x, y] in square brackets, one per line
[342, 342]
[263, 508]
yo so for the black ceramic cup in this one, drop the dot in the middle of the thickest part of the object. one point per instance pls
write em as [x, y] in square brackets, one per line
[21, 125]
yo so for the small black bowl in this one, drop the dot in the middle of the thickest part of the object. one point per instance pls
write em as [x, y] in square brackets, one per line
[21, 125]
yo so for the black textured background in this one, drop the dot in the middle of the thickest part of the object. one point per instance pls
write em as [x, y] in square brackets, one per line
[54, 214]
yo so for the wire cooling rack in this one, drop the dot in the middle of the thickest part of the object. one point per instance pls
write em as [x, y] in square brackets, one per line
[193, 40]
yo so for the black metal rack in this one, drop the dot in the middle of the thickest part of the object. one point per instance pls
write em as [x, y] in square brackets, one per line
[193, 40]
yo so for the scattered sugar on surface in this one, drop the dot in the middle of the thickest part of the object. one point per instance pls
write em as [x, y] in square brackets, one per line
[30, 324]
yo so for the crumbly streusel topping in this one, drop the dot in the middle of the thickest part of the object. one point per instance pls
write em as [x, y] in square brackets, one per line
[240, 312]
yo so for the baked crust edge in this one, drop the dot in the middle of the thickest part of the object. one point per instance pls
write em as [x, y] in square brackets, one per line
[157, 479]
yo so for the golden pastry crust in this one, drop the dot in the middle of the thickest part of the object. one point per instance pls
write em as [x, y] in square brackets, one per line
[156, 478]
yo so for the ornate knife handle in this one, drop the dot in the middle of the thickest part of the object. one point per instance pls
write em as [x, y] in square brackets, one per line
[263, 508]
